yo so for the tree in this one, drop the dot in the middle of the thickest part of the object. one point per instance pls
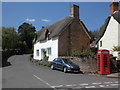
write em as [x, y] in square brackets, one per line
[9, 38]
[27, 33]
[94, 33]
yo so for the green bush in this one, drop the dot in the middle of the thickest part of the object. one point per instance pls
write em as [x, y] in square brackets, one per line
[117, 48]
[75, 53]
[84, 53]
[45, 57]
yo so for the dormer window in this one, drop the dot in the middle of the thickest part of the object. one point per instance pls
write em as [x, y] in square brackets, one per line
[47, 33]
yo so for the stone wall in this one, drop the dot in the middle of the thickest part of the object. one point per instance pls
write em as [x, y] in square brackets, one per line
[87, 64]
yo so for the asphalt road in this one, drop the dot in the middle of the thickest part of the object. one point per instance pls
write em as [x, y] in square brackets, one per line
[24, 74]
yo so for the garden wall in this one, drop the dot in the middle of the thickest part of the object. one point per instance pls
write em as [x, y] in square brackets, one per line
[87, 64]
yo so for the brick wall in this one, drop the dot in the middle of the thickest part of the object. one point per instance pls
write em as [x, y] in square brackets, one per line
[64, 43]
[72, 37]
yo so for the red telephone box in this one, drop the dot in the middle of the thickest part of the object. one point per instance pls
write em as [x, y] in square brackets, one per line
[103, 61]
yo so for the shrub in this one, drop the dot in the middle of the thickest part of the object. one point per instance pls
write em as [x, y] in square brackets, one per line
[75, 53]
[84, 53]
[117, 48]
[45, 57]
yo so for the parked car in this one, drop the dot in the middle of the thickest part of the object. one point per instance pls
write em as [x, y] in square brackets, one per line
[65, 65]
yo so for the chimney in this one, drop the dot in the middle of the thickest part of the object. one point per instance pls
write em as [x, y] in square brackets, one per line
[74, 11]
[114, 7]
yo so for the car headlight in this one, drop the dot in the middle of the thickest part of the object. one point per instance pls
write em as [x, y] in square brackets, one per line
[68, 66]
[71, 66]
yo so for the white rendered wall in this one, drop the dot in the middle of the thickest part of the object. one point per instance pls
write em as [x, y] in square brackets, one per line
[111, 36]
[118, 34]
[53, 44]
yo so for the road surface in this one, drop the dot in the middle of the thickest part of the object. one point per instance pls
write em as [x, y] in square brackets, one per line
[24, 74]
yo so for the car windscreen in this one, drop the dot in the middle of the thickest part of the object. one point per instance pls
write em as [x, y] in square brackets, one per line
[67, 61]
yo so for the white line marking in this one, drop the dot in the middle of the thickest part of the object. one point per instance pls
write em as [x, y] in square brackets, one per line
[108, 82]
[90, 87]
[107, 85]
[71, 85]
[96, 83]
[57, 86]
[43, 81]
[83, 84]
[102, 85]
[114, 84]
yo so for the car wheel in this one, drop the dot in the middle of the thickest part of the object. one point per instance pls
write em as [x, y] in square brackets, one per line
[64, 69]
[52, 67]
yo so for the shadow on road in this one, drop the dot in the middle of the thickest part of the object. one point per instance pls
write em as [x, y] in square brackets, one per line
[7, 54]
[80, 72]
[5, 63]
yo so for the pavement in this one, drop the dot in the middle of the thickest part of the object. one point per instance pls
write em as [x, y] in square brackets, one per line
[24, 74]
[113, 75]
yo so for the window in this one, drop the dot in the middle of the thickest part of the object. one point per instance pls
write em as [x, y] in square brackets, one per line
[37, 52]
[100, 43]
[49, 51]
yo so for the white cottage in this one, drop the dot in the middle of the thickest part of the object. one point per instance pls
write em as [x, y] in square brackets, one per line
[110, 35]
[60, 38]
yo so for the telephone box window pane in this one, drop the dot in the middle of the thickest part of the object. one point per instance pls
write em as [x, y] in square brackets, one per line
[105, 61]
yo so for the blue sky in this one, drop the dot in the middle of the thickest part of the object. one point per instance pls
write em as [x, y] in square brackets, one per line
[39, 14]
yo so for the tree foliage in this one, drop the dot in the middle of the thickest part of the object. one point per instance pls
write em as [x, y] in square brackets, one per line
[27, 33]
[116, 48]
[94, 34]
[9, 38]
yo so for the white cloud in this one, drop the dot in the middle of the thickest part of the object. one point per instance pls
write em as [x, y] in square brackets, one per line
[30, 20]
[45, 20]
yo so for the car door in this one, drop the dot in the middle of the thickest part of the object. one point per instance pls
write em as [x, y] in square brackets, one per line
[54, 63]
[59, 64]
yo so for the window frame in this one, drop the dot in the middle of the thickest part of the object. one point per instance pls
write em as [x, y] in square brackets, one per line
[49, 52]
[101, 43]
[37, 52]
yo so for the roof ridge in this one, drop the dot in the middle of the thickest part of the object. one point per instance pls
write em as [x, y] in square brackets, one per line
[54, 28]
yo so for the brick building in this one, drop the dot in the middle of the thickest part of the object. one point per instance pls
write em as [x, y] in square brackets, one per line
[60, 38]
